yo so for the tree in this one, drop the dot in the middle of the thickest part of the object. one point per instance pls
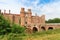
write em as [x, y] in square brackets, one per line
[55, 20]
[4, 25]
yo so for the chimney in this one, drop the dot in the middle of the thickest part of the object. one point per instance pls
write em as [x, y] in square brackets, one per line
[22, 10]
[0, 11]
[9, 11]
[29, 10]
[4, 11]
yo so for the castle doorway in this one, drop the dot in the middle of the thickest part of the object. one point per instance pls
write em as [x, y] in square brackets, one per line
[43, 28]
[50, 28]
[35, 29]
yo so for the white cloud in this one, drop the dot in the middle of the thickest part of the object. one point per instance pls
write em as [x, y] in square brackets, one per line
[51, 10]
[10, 4]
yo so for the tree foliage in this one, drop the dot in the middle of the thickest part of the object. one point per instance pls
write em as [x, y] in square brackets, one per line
[55, 20]
[4, 25]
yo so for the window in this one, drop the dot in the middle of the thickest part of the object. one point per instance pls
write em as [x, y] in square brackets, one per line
[26, 15]
[25, 22]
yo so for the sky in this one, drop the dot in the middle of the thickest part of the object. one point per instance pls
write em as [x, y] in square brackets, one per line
[49, 8]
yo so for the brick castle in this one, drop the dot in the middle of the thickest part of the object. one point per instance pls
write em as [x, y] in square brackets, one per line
[35, 23]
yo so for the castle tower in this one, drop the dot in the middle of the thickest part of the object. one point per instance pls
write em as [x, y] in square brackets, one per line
[29, 16]
[22, 16]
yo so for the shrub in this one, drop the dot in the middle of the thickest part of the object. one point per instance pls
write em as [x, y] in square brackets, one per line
[17, 28]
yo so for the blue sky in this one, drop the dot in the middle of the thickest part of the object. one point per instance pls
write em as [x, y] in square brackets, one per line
[49, 8]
